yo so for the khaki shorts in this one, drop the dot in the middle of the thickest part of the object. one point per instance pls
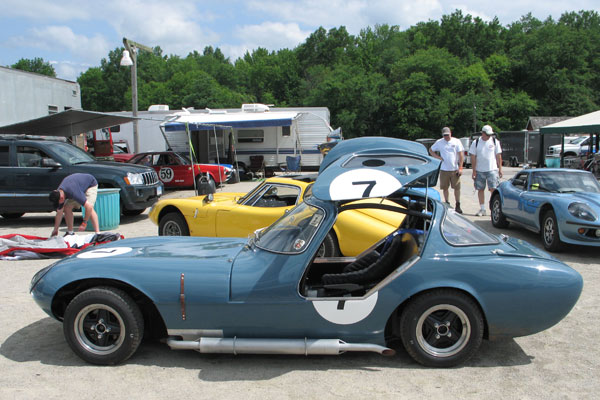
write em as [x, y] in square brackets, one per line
[449, 178]
[90, 196]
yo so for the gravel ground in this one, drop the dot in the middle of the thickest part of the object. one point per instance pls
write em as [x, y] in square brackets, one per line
[36, 362]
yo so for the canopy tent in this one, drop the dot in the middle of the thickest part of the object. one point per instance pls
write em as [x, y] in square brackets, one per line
[199, 122]
[584, 124]
[66, 124]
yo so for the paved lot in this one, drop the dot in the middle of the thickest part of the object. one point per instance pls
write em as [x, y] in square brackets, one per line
[36, 362]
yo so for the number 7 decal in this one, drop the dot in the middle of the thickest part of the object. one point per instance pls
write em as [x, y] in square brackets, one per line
[369, 187]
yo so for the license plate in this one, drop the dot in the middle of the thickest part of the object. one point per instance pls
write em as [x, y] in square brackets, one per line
[159, 191]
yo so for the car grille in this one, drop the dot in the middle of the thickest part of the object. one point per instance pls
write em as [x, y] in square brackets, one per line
[150, 178]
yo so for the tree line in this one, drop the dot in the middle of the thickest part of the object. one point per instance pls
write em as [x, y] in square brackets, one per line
[461, 72]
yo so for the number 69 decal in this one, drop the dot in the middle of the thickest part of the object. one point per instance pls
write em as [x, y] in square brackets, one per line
[361, 183]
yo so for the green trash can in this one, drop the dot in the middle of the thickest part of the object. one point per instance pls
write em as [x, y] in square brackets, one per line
[108, 209]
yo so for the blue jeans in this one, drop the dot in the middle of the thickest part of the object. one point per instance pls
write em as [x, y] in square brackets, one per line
[491, 177]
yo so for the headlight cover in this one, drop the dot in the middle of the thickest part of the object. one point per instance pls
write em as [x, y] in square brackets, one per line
[582, 211]
[134, 179]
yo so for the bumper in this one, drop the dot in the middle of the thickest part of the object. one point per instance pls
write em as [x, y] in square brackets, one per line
[138, 197]
[573, 232]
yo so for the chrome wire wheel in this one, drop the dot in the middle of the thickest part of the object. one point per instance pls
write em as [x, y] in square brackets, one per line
[443, 330]
[99, 329]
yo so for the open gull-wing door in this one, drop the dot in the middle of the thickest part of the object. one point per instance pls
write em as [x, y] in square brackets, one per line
[374, 167]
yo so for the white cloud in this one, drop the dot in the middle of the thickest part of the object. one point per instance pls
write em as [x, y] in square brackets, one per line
[271, 35]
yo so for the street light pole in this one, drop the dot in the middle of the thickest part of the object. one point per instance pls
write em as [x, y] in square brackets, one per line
[130, 59]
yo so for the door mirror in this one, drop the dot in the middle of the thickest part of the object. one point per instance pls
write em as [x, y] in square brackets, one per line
[50, 163]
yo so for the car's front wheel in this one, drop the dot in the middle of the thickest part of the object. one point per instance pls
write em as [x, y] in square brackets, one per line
[173, 224]
[441, 328]
[498, 218]
[103, 325]
[550, 234]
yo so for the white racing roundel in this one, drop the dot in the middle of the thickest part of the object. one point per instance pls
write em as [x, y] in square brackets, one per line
[346, 312]
[102, 253]
[362, 183]
[166, 174]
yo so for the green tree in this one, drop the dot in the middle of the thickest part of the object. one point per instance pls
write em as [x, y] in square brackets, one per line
[37, 65]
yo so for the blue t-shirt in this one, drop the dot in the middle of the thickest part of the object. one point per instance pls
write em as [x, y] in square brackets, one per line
[75, 186]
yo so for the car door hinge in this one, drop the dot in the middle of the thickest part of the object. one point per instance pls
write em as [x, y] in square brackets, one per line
[182, 295]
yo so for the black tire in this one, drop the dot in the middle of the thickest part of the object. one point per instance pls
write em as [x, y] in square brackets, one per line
[498, 218]
[205, 185]
[173, 224]
[550, 233]
[441, 328]
[132, 213]
[12, 215]
[103, 325]
[329, 247]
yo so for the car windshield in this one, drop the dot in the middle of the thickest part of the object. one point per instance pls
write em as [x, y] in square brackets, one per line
[73, 154]
[459, 231]
[293, 232]
[564, 182]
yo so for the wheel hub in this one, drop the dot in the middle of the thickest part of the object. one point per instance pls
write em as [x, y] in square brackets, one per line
[442, 330]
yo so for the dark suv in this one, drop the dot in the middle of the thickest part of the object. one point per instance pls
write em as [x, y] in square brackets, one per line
[30, 169]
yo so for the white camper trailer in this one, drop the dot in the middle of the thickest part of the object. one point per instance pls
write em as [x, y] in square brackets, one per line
[255, 129]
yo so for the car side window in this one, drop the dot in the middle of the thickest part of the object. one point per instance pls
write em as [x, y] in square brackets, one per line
[4, 156]
[520, 181]
[30, 156]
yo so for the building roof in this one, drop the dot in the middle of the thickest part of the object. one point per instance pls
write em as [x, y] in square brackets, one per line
[535, 123]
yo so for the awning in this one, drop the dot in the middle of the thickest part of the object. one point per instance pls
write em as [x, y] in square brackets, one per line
[587, 123]
[200, 122]
[67, 123]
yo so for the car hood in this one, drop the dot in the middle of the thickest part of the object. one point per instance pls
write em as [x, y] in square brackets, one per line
[165, 247]
[115, 167]
[524, 249]
[588, 198]
[373, 167]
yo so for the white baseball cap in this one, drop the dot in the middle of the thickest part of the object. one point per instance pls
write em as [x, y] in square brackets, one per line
[487, 130]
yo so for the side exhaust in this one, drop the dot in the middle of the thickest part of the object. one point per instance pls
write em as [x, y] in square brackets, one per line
[275, 346]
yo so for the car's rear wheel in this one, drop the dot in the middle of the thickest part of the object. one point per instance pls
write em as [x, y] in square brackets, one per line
[103, 325]
[498, 218]
[441, 328]
[550, 233]
[173, 224]
[12, 215]
[329, 247]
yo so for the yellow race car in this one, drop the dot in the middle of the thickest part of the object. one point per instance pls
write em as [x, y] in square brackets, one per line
[240, 214]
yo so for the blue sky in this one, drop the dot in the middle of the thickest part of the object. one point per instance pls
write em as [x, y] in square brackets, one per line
[75, 35]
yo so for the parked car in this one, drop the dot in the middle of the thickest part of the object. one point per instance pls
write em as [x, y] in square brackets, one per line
[240, 214]
[574, 146]
[175, 169]
[30, 169]
[563, 205]
[439, 284]
[120, 155]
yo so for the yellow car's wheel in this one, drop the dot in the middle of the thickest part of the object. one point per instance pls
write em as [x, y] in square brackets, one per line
[329, 247]
[173, 224]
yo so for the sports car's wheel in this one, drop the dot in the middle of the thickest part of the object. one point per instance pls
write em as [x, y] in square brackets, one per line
[549, 232]
[12, 215]
[329, 247]
[498, 218]
[173, 224]
[441, 328]
[103, 325]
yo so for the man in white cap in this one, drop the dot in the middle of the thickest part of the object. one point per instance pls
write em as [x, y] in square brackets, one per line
[452, 155]
[486, 159]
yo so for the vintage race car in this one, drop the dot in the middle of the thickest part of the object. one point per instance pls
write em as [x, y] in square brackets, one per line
[240, 214]
[175, 169]
[438, 285]
[563, 205]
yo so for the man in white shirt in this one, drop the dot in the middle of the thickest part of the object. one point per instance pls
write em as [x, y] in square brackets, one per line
[452, 155]
[486, 159]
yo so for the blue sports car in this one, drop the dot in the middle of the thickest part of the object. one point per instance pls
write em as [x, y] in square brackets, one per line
[438, 285]
[563, 205]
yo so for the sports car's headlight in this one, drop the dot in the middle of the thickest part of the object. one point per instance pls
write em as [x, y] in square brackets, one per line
[583, 211]
[134, 179]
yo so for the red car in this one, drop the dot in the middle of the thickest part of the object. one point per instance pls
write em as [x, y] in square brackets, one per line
[175, 169]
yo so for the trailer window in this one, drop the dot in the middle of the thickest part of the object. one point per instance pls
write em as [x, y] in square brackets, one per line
[286, 131]
[251, 136]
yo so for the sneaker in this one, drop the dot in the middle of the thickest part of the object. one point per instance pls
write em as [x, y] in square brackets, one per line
[480, 213]
[458, 209]
[69, 234]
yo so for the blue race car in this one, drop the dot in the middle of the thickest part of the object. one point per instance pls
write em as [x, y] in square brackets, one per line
[563, 205]
[438, 285]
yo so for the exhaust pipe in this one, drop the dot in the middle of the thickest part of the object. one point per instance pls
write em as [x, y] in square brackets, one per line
[275, 346]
